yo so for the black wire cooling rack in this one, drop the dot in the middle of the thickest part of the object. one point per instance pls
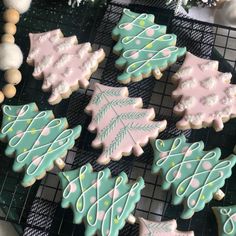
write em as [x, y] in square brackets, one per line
[36, 210]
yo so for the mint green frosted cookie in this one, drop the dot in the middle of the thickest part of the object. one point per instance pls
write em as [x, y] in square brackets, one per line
[36, 139]
[226, 219]
[143, 46]
[103, 202]
[194, 175]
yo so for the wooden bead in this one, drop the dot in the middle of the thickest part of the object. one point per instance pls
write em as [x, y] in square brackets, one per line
[9, 28]
[8, 38]
[13, 76]
[11, 16]
[9, 90]
[1, 97]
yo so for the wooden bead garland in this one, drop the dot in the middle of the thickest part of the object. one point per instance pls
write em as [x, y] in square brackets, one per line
[8, 38]
[11, 16]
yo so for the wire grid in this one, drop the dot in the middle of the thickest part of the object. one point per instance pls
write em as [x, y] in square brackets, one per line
[46, 217]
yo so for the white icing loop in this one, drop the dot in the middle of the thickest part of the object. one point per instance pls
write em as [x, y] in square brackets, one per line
[110, 212]
[210, 100]
[212, 175]
[59, 142]
[156, 57]
[208, 83]
[229, 223]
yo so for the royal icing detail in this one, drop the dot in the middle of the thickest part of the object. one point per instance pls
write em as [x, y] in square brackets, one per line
[226, 218]
[122, 126]
[35, 138]
[193, 174]
[165, 228]
[210, 100]
[71, 63]
[103, 202]
[143, 46]
[185, 103]
[214, 97]
[187, 84]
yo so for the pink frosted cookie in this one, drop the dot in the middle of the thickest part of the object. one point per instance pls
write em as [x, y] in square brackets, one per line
[64, 64]
[122, 125]
[205, 96]
[165, 228]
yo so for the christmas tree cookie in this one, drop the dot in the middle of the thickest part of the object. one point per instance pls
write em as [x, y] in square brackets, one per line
[122, 125]
[64, 64]
[143, 46]
[165, 228]
[193, 175]
[102, 202]
[205, 96]
[36, 140]
[226, 219]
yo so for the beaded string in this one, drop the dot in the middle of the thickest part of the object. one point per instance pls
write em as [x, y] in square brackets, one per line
[12, 76]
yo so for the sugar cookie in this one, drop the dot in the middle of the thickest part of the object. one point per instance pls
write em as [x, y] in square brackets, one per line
[205, 96]
[122, 126]
[64, 64]
[193, 175]
[103, 202]
[143, 46]
[36, 139]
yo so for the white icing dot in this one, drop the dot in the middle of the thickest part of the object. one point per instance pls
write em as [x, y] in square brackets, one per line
[188, 166]
[138, 42]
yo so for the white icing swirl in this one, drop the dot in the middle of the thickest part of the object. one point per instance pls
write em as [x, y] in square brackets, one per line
[229, 223]
[210, 100]
[187, 84]
[185, 103]
[208, 83]
[45, 63]
[110, 212]
[210, 65]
